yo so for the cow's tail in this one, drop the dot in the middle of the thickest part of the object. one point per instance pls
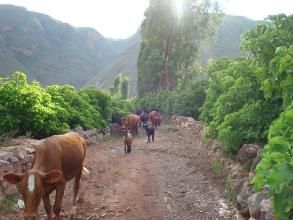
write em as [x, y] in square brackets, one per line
[85, 171]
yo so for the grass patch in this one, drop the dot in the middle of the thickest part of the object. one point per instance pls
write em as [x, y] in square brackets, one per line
[216, 167]
[172, 129]
[7, 203]
[228, 188]
[112, 137]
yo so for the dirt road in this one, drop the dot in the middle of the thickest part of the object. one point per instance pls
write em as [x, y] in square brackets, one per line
[168, 179]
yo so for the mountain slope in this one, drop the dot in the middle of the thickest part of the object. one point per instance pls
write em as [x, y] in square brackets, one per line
[50, 51]
[227, 43]
[125, 63]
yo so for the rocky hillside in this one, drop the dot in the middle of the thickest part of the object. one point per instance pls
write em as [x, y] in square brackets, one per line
[226, 44]
[50, 51]
[125, 63]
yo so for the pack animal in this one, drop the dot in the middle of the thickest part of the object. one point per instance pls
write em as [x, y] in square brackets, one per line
[150, 131]
[144, 117]
[155, 118]
[127, 142]
[130, 122]
[57, 159]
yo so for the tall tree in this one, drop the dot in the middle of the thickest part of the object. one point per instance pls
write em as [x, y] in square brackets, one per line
[171, 37]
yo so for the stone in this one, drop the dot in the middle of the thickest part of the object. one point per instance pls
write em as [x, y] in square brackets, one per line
[256, 160]
[6, 156]
[266, 209]
[238, 185]
[254, 203]
[78, 130]
[240, 217]
[20, 152]
[241, 200]
[247, 152]
[216, 146]
[237, 171]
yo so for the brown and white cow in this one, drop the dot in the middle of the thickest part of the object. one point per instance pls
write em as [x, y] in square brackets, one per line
[57, 159]
[155, 118]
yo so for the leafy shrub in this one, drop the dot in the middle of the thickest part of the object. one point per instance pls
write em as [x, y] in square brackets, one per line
[248, 125]
[79, 111]
[276, 167]
[185, 101]
[28, 108]
[120, 108]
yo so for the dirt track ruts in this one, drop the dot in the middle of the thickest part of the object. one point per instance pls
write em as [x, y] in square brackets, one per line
[168, 179]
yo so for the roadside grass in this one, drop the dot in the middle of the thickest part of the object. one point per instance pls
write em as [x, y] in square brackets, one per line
[8, 202]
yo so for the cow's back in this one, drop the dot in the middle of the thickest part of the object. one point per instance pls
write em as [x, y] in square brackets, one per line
[61, 152]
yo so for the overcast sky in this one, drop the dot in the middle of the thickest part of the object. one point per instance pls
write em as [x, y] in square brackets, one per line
[121, 18]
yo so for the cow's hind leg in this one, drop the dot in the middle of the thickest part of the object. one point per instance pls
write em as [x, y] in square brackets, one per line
[153, 137]
[76, 186]
[125, 149]
[58, 200]
[75, 192]
[47, 206]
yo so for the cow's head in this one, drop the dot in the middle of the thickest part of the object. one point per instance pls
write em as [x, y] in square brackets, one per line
[124, 122]
[31, 185]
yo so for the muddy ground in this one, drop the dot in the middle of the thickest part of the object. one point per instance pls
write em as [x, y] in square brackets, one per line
[170, 178]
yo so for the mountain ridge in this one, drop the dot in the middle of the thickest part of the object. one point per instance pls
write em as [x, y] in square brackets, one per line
[51, 51]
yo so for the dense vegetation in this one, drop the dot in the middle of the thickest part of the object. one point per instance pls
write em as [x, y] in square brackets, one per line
[28, 108]
[246, 100]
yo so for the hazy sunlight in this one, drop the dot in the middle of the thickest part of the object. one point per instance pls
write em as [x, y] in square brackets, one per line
[178, 7]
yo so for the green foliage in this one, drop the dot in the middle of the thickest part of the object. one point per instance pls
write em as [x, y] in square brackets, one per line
[275, 170]
[263, 41]
[120, 108]
[183, 101]
[7, 203]
[245, 96]
[79, 111]
[216, 166]
[171, 42]
[248, 125]
[120, 89]
[30, 109]
[280, 84]
[228, 188]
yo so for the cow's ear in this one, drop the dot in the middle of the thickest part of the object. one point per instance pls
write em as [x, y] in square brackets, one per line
[52, 177]
[13, 178]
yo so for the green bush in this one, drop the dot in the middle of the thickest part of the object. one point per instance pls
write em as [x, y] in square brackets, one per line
[275, 171]
[185, 101]
[248, 125]
[28, 108]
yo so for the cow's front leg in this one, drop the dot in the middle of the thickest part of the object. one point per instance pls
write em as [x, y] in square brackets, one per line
[48, 206]
[58, 200]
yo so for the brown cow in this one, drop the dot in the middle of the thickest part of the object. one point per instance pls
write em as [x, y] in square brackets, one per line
[155, 118]
[58, 159]
[130, 122]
